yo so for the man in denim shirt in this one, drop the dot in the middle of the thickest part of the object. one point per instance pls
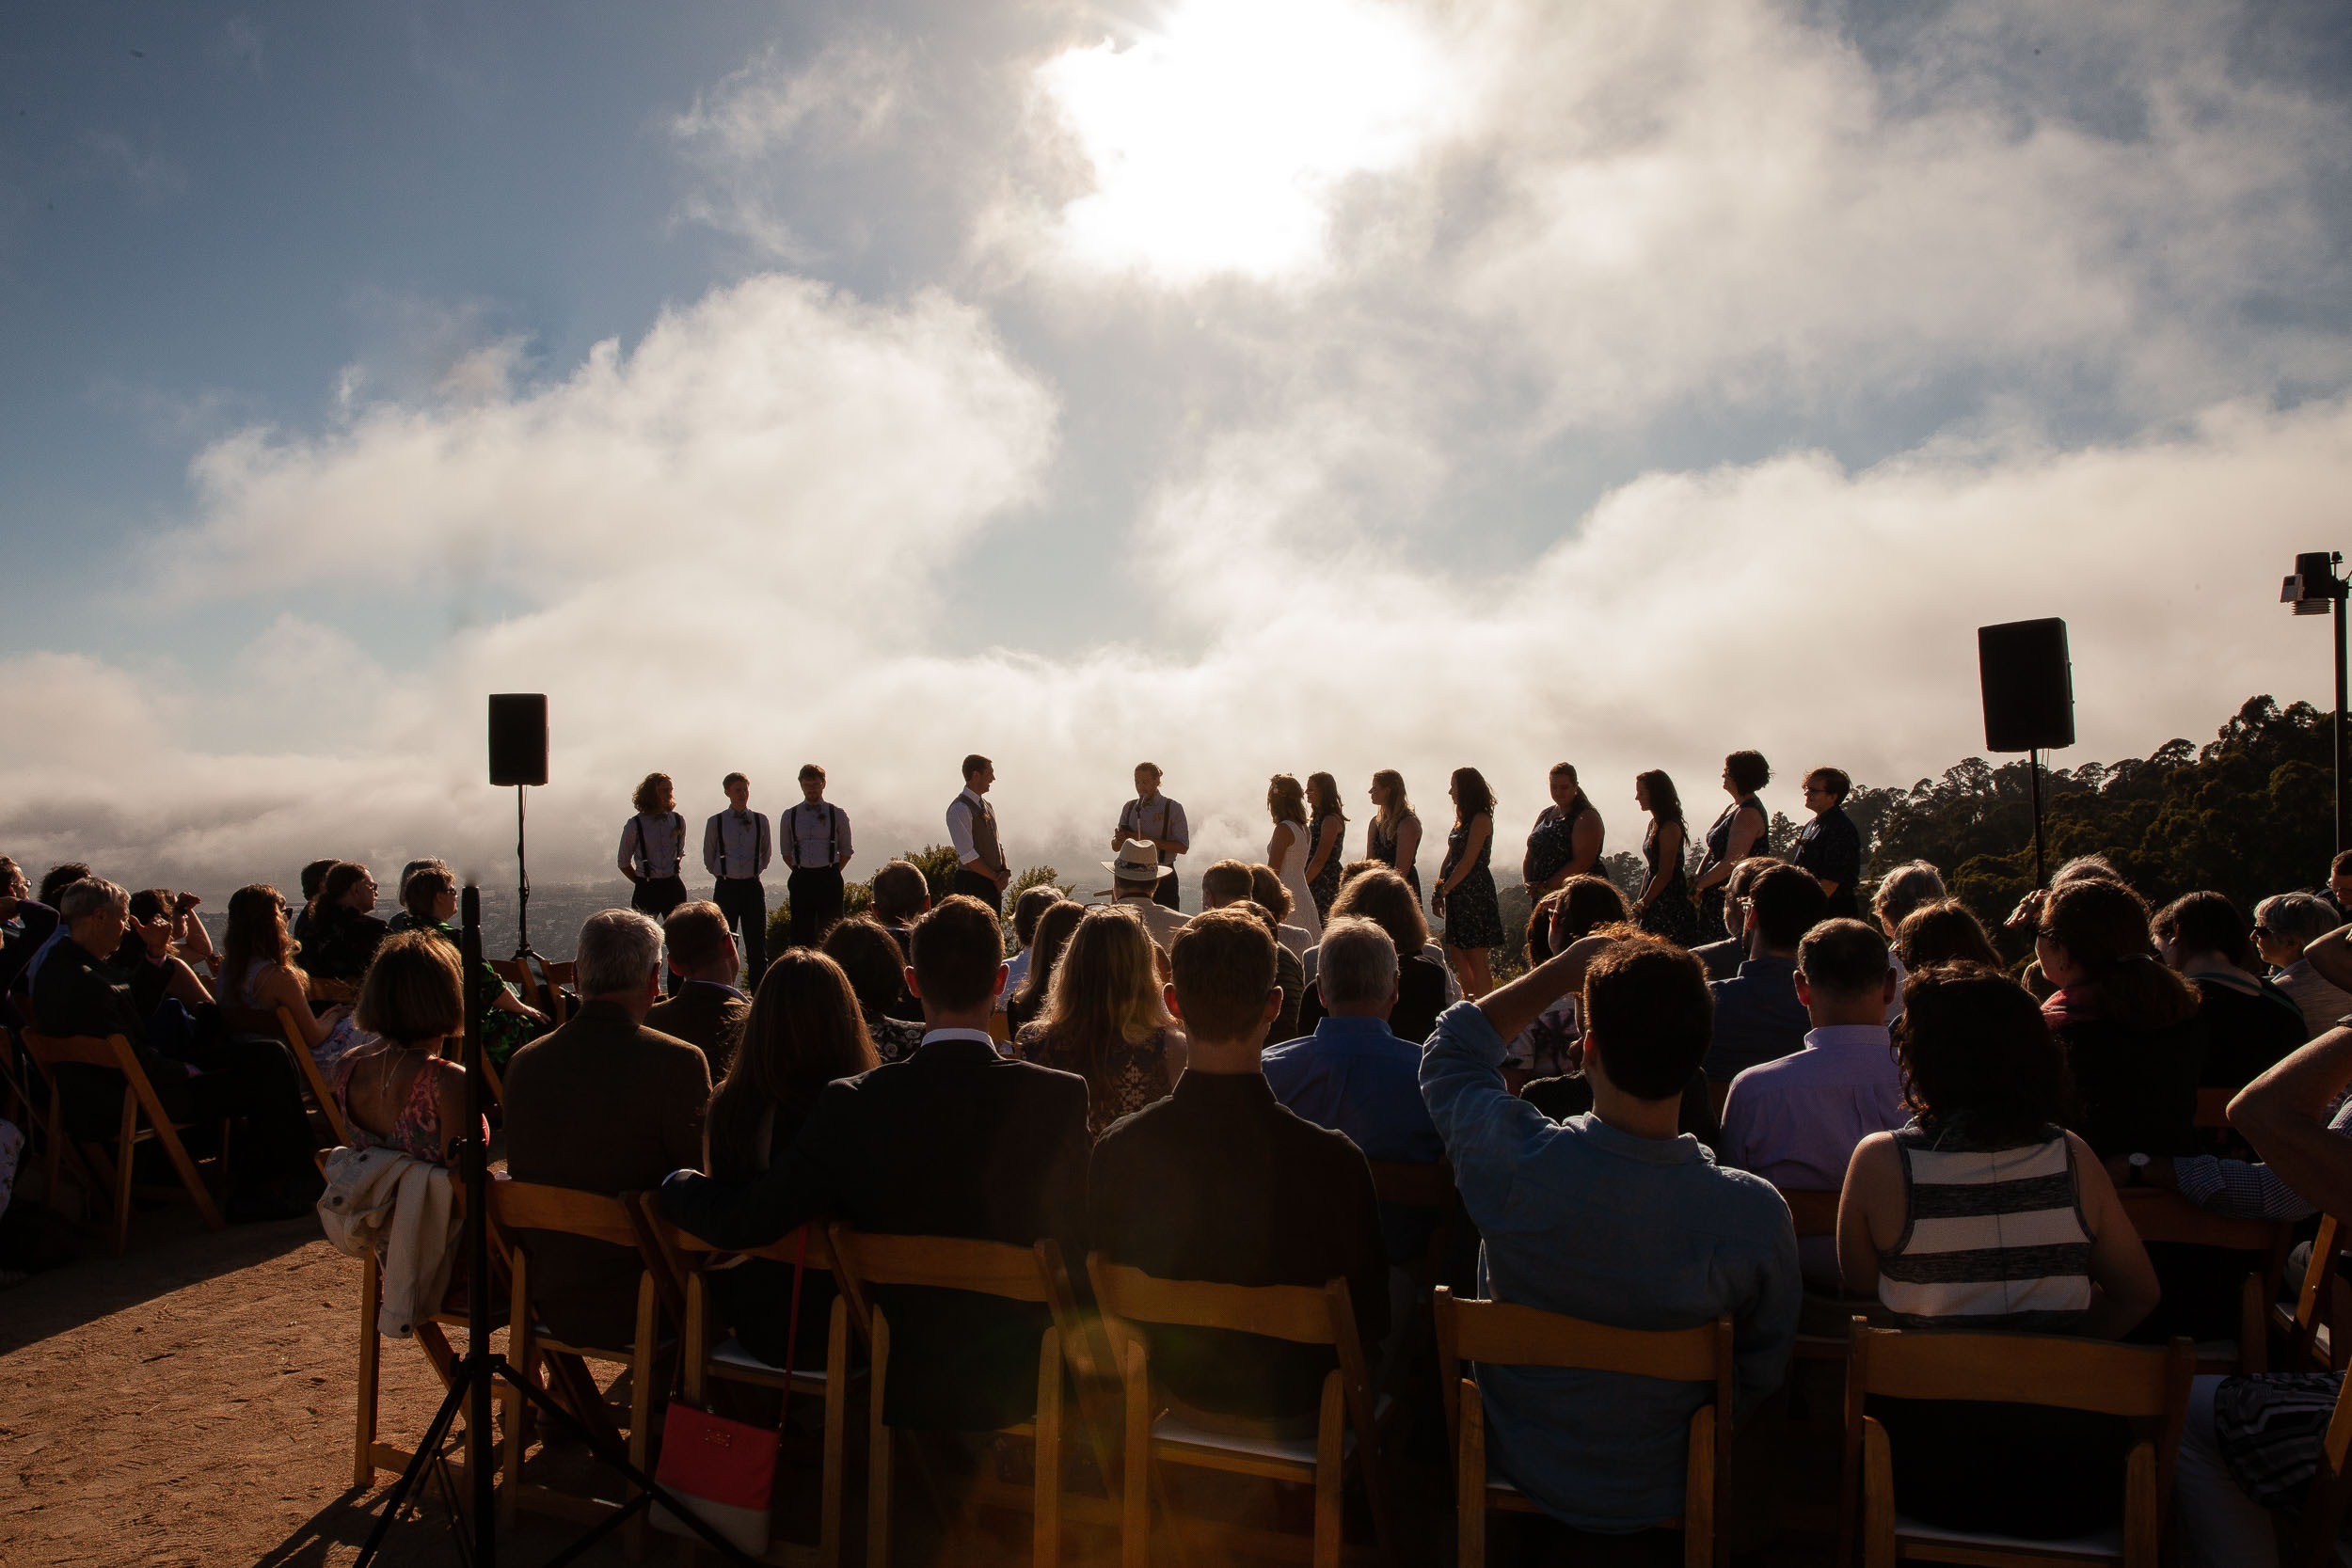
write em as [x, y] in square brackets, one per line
[1613, 1217]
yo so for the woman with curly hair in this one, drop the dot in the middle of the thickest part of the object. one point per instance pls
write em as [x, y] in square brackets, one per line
[1738, 832]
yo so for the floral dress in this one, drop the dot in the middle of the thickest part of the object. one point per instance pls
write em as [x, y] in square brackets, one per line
[1473, 916]
[1325, 884]
[1135, 1075]
[1671, 915]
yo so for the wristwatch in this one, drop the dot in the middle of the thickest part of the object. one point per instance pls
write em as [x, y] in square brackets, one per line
[2138, 1166]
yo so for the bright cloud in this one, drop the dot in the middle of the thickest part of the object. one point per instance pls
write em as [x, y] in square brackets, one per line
[1216, 140]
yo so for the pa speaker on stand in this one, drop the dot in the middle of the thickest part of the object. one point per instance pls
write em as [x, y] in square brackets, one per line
[2028, 686]
[518, 756]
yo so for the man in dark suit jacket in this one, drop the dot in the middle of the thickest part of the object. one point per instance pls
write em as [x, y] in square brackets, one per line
[705, 1009]
[606, 1105]
[953, 1141]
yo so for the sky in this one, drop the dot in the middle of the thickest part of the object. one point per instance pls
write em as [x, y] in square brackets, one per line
[1250, 386]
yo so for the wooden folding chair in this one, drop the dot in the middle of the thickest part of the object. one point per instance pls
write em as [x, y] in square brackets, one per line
[1822, 1320]
[2166, 1217]
[862, 1259]
[2309, 1538]
[2317, 1331]
[2213, 1109]
[1501, 1334]
[1347, 1426]
[369, 1453]
[711, 1358]
[333, 990]
[47, 1144]
[517, 1208]
[279, 1024]
[144, 1120]
[2148, 1384]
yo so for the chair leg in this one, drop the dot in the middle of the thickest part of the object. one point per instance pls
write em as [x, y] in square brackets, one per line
[1470, 1482]
[1878, 1498]
[371, 1356]
[521, 1352]
[644, 1372]
[878, 1448]
[1046, 1521]
[1331, 1431]
[1135, 1520]
[126, 1148]
[836, 1435]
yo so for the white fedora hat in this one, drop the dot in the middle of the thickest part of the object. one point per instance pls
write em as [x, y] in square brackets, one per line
[1138, 862]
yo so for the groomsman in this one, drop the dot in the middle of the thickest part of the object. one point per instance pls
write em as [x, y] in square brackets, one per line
[817, 846]
[980, 869]
[736, 849]
[1159, 821]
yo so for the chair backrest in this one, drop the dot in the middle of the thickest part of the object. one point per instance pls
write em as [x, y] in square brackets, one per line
[866, 1257]
[1412, 1185]
[1302, 1314]
[534, 1206]
[1506, 1334]
[2057, 1370]
[2160, 1215]
[112, 1053]
[2213, 1107]
[2311, 1301]
[1813, 1209]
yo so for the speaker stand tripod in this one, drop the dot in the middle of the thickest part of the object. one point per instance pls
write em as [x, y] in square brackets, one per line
[473, 1377]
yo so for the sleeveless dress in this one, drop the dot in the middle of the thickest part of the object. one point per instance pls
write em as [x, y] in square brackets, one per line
[1671, 915]
[339, 1040]
[1473, 917]
[1382, 848]
[417, 1132]
[1993, 1239]
[1293, 873]
[1712, 926]
[1552, 843]
[1326, 885]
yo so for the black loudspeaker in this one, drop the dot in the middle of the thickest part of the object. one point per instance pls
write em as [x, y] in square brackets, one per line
[2028, 686]
[519, 738]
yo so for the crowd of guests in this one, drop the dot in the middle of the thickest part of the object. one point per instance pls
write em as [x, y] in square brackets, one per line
[1204, 1096]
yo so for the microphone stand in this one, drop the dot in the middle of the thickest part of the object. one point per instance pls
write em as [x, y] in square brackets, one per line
[471, 1377]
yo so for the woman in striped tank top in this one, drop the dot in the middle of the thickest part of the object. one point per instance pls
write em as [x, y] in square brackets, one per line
[1982, 1214]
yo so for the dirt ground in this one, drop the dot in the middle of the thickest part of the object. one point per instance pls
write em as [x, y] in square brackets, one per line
[191, 1403]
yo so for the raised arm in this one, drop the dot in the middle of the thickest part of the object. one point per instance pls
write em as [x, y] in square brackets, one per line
[2283, 1113]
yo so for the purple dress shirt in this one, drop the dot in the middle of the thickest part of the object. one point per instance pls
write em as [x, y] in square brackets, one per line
[1795, 1121]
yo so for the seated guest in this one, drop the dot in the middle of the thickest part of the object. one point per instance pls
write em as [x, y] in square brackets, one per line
[1583, 906]
[2337, 892]
[52, 885]
[1795, 1121]
[1105, 1021]
[1829, 848]
[155, 956]
[2254, 1444]
[877, 967]
[2284, 925]
[806, 1029]
[428, 896]
[258, 975]
[2026, 1235]
[200, 1076]
[58, 877]
[1267, 888]
[1028, 910]
[705, 1009]
[606, 1105]
[1909, 886]
[2134, 1043]
[954, 1141]
[1722, 959]
[1613, 1217]
[1354, 1076]
[2249, 1023]
[25, 928]
[1136, 876]
[1758, 1016]
[1054, 928]
[405, 919]
[398, 1091]
[1220, 1182]
[314, 879]
[1232, 884]
[343, 927]
[900, 897]
[1942, 932]
[1425, 986]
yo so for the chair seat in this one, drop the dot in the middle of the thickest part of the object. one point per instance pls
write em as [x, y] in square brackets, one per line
[1292, 1450]
[732, 1354]
[2098, 1546]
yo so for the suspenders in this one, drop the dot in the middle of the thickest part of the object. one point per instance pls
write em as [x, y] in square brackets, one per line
[644, 850]
[833, 837]
[759, 837]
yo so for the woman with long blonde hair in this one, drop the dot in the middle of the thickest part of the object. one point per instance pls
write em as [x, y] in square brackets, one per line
[1393, 837]
[1286, 851]
[1327, 835]
[1105, 1021]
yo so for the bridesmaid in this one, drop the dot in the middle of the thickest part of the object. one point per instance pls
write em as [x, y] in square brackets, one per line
[1286, 851]
[1738, 833]
[1327, 841]
[1664, 908]
[1394, 836]
[1465, 897]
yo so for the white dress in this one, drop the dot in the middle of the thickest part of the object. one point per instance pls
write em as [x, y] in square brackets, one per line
[1293, 870]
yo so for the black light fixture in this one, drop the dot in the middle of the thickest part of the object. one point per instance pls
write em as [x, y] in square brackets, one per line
[2315, 589]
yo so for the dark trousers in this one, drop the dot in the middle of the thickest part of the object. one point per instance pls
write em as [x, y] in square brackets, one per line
[656, 896]
[980, 887]
[744, 902]
[816, 894]
[1165, 892]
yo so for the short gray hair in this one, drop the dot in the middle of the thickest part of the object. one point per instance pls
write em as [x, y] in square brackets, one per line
[1904, 889]
[2296, 917]
[1356, 964]
[82, 899]
[618, 949]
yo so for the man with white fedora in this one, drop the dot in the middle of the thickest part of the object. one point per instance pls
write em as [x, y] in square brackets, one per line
[1135, 882]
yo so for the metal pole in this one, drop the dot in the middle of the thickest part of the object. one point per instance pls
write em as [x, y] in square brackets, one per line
[2343, 802]
[2033, 761]
[479, 1470]
[523, 871]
